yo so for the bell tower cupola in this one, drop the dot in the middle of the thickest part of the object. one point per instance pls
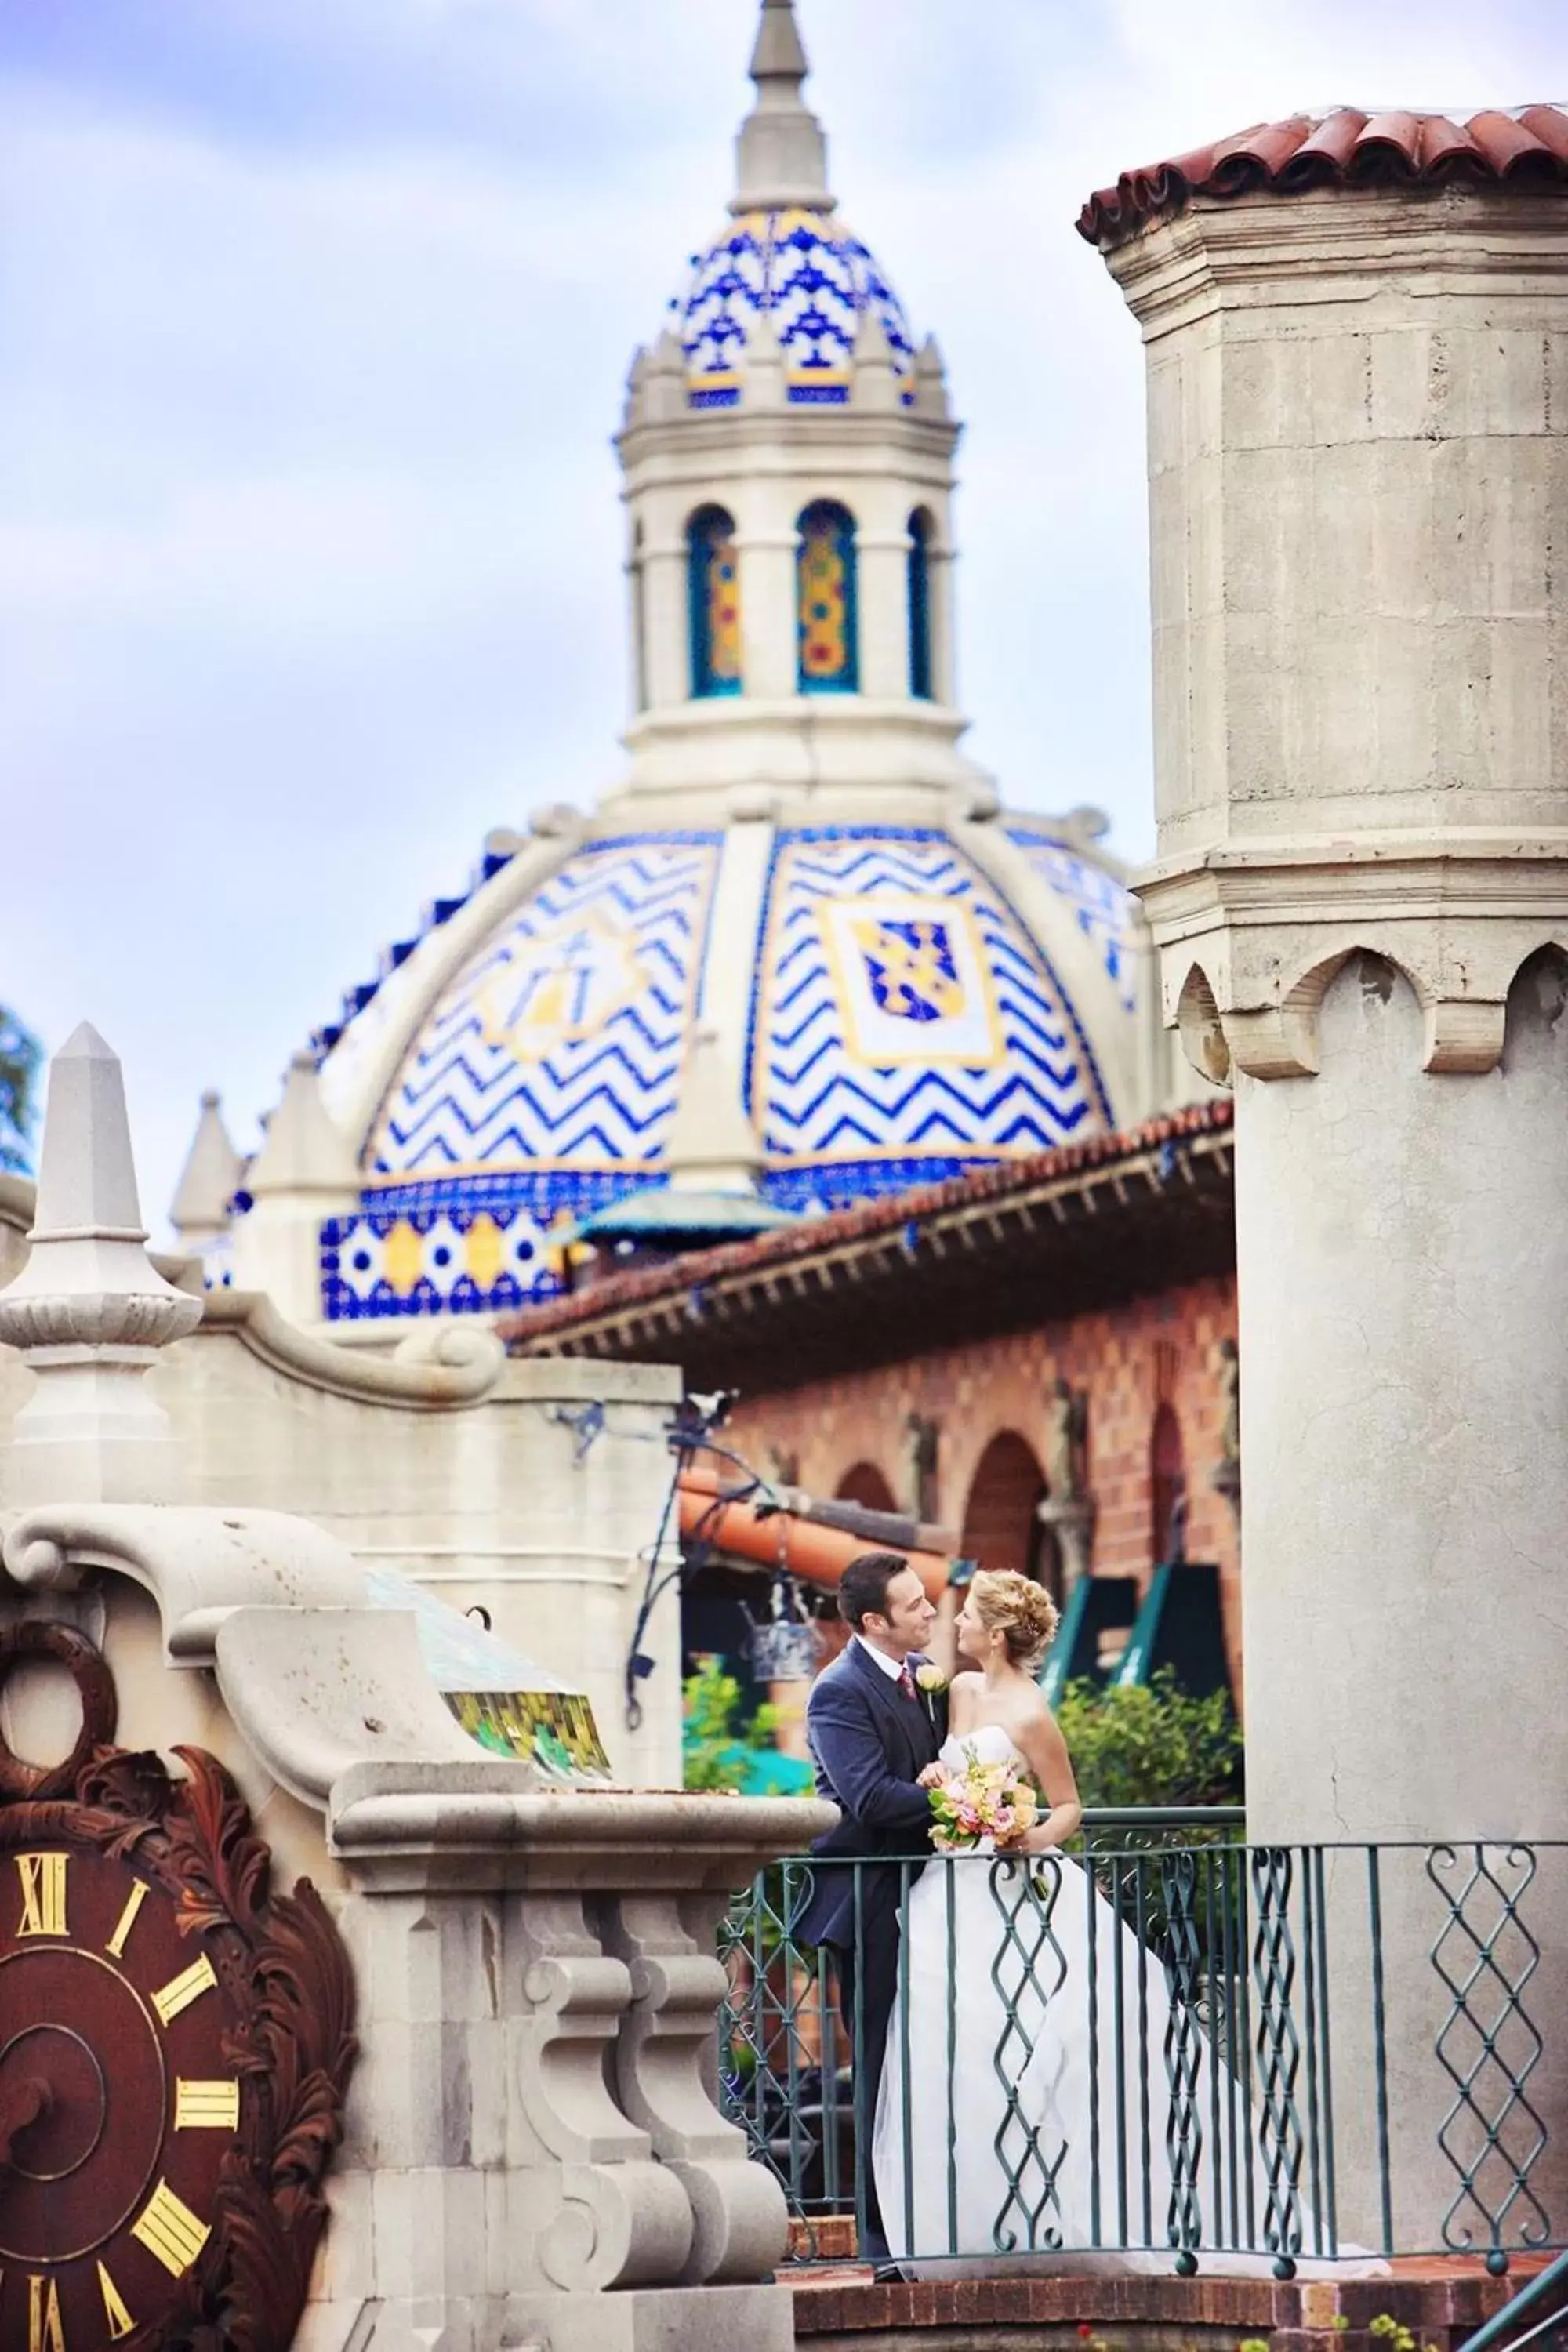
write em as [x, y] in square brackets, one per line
[787, 452]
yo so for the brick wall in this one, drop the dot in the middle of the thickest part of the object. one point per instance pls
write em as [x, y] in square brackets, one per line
[1130, 1359]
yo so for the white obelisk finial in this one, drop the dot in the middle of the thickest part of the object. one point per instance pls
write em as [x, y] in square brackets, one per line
[780, 153]
[90, 1310]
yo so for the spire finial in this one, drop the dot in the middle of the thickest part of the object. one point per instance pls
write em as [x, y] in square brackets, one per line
[781, 154]
[208, 1180]
[89, 1311]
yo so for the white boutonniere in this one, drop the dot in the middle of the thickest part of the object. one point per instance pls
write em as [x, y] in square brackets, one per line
[930, 1679]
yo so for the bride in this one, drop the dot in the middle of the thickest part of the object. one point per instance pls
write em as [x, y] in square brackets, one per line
[1027, 2055]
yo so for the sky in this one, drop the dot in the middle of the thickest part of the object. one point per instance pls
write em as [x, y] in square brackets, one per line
[315, 317]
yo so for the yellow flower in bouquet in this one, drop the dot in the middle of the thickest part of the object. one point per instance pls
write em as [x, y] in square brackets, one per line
[983, 1801]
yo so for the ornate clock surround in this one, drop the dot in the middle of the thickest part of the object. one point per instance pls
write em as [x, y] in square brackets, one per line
[86, 2082]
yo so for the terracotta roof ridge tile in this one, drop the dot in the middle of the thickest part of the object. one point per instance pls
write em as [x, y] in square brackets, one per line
[1339, 148]
[699, 1269]
[1549, 124]
[1327, 147]
[1507, 142]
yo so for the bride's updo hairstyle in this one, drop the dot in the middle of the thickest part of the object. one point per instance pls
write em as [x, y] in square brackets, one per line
[1013, 1605]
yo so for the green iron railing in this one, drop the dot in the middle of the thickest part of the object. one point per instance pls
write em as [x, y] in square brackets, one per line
[1230, 2010]
[1537, 2315]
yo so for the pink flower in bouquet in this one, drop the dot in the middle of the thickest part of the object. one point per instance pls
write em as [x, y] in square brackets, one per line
[983, 1801]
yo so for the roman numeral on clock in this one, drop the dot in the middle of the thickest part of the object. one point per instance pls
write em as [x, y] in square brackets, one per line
[133, 1902]
[170, 2230]
[46, 2332]
[203, 2106]
[181, 1990]
[119, 2320]
[43, 1877]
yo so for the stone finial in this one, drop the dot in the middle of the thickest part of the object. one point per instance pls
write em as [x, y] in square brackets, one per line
[712, 1146]
[930, 382]
[780, 153]
[874, 386]
[662, 390]
[305, 1150]
[89, 1311]
[631, 413]
[207, 1182]
[762, 366]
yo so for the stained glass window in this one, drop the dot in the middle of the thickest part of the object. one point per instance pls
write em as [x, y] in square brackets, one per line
[713, 589]
[827, 660]
[920, 604]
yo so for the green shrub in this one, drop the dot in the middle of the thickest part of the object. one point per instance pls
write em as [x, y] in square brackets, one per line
[1151, 1744]
[715, 1735]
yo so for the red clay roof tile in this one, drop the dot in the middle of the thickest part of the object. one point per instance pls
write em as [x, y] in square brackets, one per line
[1341, 147]
[885, 1214]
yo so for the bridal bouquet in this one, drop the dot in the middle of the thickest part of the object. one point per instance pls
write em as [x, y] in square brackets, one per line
[983, 1801]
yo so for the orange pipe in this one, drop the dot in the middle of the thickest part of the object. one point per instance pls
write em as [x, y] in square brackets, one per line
[817, 1554]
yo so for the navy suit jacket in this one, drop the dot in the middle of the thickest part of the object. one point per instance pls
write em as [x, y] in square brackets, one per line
[869, 1744]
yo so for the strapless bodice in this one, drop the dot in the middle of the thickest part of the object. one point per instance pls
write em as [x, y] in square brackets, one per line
[988, 1743]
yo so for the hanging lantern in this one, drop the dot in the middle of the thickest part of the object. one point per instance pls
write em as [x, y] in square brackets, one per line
[784, 1645]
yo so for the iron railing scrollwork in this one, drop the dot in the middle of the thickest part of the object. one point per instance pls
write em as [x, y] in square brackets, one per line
[1244, 2011]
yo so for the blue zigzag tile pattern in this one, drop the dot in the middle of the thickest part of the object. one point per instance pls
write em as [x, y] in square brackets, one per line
[542, 1087]
[561, 1040]
[905, 1026]
[1102, 907]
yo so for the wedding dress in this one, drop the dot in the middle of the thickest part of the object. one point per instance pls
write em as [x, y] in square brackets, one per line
[1021, 2106]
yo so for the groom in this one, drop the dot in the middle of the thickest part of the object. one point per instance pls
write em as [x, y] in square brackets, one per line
[872, 1731]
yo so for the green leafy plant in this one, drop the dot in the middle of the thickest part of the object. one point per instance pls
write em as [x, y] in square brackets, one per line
[1151, 1744]
[21, 1057]
[1395, 2335]
[717, 1732]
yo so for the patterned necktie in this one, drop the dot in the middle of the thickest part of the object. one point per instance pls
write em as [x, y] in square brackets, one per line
[906, 1680]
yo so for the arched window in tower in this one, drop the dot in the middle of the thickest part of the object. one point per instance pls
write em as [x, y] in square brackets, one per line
[713, 592]
[920, 604]
[827, 660]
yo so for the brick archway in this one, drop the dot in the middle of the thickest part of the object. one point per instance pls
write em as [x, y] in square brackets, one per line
[1001, 1527]
[1167, 1485]
[864, 1483]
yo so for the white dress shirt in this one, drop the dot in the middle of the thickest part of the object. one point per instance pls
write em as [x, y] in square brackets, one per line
[892, 1668]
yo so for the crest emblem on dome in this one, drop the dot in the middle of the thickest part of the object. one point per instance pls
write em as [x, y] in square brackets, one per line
[912, 980]
[559, 986]
[911, 970]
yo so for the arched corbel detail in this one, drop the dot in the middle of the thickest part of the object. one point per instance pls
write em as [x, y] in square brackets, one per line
[1536, 994]
[1201, 1029]
[1282, 1040]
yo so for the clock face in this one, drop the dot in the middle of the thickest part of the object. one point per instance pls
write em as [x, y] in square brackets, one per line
[118, 2097]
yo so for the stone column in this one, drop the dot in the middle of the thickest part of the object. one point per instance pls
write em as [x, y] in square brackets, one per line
[1358, 398]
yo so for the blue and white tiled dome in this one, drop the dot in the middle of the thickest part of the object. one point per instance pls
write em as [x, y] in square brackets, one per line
[814, 279]
[904, 1023]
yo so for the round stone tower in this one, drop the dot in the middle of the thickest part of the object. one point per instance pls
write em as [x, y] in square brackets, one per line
[788, 458]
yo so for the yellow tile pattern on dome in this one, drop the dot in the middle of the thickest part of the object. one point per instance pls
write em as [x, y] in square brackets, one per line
[404, 1258]
[722, 586]
[484, 1250]
[824, 603]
